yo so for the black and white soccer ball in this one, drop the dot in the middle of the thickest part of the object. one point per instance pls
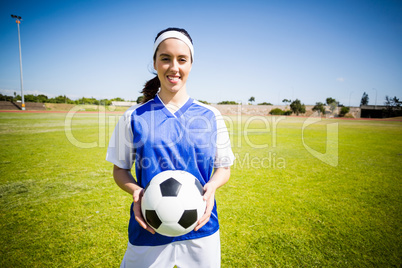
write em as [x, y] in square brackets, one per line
[173, 203]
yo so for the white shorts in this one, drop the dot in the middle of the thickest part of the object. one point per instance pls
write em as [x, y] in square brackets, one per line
[202, 252]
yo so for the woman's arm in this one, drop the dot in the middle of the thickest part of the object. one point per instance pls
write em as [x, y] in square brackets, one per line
[219, 178]
[125, 180]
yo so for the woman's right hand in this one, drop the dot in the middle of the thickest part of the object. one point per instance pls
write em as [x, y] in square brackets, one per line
[137, 196]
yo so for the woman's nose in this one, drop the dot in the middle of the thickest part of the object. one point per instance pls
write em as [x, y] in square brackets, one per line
[174, 66]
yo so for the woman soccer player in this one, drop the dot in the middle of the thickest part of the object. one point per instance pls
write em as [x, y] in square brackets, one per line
[171, 131]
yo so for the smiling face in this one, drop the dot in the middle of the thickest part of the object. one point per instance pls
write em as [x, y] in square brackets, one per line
[173, 65]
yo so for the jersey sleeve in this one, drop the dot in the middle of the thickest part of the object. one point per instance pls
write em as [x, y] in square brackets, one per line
[224, 156]
[121, 150]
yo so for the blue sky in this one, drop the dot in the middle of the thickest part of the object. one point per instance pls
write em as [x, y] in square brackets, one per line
[271, 50]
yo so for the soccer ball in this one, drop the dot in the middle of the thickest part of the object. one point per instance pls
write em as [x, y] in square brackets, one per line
[172, 202]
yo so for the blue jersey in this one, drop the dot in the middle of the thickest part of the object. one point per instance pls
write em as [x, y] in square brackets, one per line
[153, 139]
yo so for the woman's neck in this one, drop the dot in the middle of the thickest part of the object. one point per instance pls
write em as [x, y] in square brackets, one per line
[176, 99]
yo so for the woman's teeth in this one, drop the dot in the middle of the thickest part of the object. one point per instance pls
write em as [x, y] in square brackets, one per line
[173, 78]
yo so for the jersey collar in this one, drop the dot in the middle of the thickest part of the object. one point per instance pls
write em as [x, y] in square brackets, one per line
[179, 112]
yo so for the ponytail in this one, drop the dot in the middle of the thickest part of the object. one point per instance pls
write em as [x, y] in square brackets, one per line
[150, 89]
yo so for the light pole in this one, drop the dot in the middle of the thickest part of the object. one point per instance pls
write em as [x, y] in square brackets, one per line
[18, 21]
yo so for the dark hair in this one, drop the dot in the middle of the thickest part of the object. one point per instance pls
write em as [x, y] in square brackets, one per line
[151, 87]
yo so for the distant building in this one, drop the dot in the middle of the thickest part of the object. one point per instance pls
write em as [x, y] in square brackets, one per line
[123, 103]
[379, 111]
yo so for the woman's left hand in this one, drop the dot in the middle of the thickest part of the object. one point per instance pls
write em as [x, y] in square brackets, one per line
[219, 178]
[209, 197]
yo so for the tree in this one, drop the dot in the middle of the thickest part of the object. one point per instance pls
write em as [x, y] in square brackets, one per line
[276, 111]
[393, 106]
[297, 107]
[42, 98]
[392, 102]
[319, 107]
[29, 98]
[139, 99]
[332, 103]
[105, 102]
[5, 98]
[60, 99]
[332, 106]
[344, 111]
[286, 101]
[118, 99]
[330, 100]
[365, 99]
[252, 99]
[203, 101]
[228, 102]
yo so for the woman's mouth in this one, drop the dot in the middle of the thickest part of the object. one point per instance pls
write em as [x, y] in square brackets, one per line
[173, 79]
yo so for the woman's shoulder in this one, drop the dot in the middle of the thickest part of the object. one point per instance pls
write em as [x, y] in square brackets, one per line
[130, 110]
[208, 107]
[136, 107]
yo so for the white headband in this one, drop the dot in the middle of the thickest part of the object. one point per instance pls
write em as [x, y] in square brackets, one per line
[177, 35]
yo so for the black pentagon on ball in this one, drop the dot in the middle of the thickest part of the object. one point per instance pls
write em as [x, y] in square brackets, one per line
[170, 187]
[152, 218]
[188, 218]
[199, 187]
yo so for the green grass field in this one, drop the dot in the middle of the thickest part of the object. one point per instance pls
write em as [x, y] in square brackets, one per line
[283, 207]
